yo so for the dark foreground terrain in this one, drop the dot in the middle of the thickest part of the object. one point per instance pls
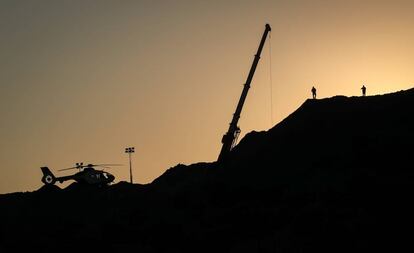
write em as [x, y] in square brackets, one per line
[336, 175]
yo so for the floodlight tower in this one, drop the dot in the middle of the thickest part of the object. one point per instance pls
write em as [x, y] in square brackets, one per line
[129, 151]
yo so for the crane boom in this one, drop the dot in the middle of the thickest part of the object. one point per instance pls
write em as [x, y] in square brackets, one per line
[229, 138]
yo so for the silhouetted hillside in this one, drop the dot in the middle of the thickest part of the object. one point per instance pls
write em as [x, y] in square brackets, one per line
[336, 175]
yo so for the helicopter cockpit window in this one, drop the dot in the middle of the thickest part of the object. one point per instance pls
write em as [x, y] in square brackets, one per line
[105, 175]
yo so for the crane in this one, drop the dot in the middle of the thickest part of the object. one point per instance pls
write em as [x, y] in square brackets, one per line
[230, 138]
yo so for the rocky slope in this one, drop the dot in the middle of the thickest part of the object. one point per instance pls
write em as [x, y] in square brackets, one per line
[336, 175]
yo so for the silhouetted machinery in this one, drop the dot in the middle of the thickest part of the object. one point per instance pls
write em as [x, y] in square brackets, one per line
[86, 175]
[230, 138]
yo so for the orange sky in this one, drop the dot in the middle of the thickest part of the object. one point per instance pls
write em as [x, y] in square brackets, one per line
[82, 80]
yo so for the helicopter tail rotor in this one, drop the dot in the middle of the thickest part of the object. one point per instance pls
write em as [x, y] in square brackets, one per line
[48, 177]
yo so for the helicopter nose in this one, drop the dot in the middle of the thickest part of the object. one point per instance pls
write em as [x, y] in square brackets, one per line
[111, 178]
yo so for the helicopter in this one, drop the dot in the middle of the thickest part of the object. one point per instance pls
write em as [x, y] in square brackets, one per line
[86, 175]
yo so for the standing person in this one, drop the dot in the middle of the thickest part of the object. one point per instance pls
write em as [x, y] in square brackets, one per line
[313, 92]
[364, 89]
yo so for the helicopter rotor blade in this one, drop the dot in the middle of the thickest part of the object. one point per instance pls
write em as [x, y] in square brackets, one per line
[68, 168]
[106, 167]
[105, 164]
[81, 166]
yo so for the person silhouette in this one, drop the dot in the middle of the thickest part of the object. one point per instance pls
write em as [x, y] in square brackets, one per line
[364, 89]
[313, 92]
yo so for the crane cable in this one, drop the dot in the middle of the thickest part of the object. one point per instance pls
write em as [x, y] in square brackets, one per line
[270, 79]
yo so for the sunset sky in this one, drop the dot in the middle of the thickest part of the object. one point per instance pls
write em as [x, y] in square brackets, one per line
[81, 80]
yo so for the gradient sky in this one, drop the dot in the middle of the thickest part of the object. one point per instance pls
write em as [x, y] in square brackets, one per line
[82, 80]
